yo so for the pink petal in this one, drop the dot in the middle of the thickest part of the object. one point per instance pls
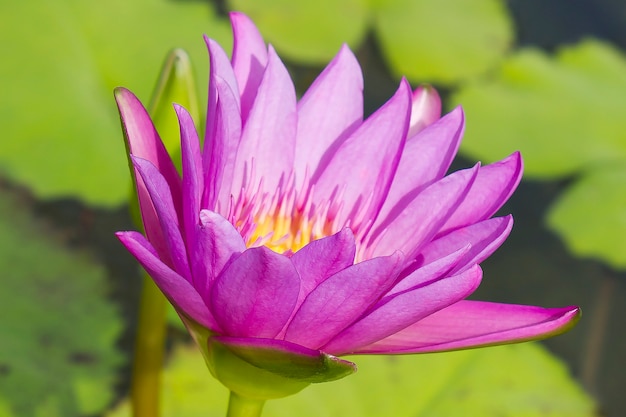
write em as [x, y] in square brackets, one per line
[363, 166]
[328, 112]
[422, 218]
[395, 313]
[144, 142]
[193, 178]
[322, 258]
[493, 186]
[217, 243]
[161, 197]
[255, 294]
[426, 109]
[428, 272]
[177, 289]
[484, 237]
[469, 324]
[220, 149]
[426, 158]
[249, 59]
[266, 150]
[341, 299]
[219, 67]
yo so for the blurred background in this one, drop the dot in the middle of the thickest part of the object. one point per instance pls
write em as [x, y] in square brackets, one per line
[547, 78]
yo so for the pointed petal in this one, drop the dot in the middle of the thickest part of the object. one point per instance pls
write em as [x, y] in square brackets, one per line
[429, 272]
[422, 218]
[255, 294]
[493, 186]
[329, 111]
[217, 243]
[220, 149]
[177, 289]
[161, 197]
[219, 67]
[426, 108]
[143, 141]
[395, 313]
[484, 237]
[363, 166]
[267, 145]
[249, 59]
[193, 177]
[469, 324]
[288, 359]
[341, 299]
[426, 158]
[322, 258]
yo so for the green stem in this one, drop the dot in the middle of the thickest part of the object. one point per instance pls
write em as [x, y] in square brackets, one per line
[244, 407]
[149, 350]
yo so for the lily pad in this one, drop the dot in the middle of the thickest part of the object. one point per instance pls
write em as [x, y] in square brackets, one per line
[58, 354]
[308, 31]
[61, 62]
[442, 41]
[419, 38]
[514, 380]
[564, 113]
[591, 215]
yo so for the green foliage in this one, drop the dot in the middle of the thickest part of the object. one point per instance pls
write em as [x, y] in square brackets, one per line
[419, 38]
[57, 355]
[565, 114]
[442, 41]
[591, 215]
[61, 62]
[513, 380]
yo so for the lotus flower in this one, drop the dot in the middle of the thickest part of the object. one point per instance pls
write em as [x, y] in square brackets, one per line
[299, 232]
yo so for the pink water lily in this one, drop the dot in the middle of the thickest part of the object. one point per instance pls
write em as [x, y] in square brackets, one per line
[300, 229]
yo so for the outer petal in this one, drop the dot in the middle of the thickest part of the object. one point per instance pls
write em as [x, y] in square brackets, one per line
[164, 206]
[221, 68]
[426, 158]
[363, 166]
[220, 150]
[143, 141]
[193, 177]
[341, 299]
[469, 324]
[493, 186]
[323, 258]
[422, 218]
[179, 291]
[395, 313]
[329, 111]
[426, 108]
[484, 237]
[249, 59]
[267, 145]
[436, 269]
[217, 243]
[255, 295]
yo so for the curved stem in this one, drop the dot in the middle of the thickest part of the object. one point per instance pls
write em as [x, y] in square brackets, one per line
[244, 407]
[149, 350]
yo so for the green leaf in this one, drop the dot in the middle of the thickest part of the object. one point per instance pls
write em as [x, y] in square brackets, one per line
[58, 354]
[61, 62]
[564, 113]
[590, 216]
[513, 380]
[307, 31]
[442, 41]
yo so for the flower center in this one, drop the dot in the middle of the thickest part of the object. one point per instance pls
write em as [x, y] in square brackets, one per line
[284, 221]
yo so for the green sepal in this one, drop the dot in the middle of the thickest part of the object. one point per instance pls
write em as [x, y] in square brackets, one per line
[307, 366]
[265, 368]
